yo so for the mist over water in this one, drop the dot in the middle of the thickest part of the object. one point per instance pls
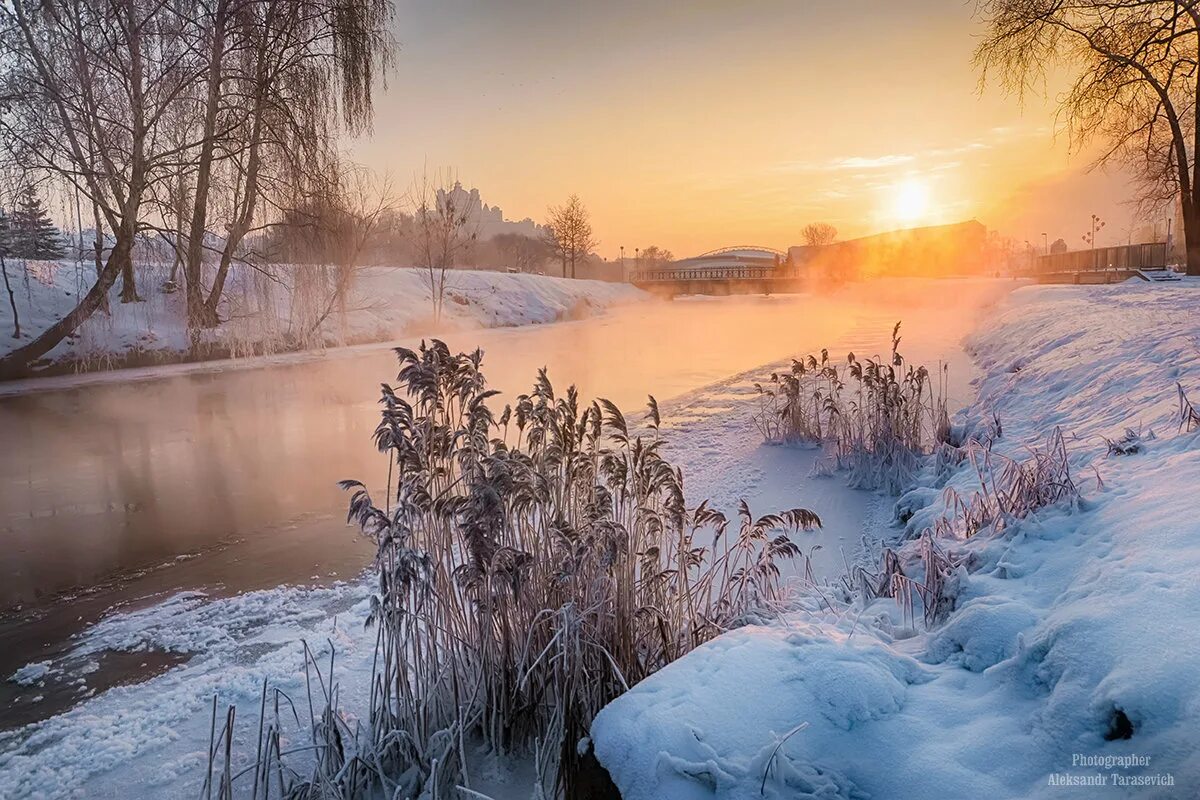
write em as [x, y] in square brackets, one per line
[225, 480]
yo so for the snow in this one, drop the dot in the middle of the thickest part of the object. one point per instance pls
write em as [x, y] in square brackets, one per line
[1067, 624]
[93, 750]
[386, 303]
[30, 674]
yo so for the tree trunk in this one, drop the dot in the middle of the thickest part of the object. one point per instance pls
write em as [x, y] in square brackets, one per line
[197, 309]
[1191, 234]
[12, 301]
[98, 246]
[209, 317]
[180, 211]
[245, 216]
[238, 230]
[128, 282]
[16, 362]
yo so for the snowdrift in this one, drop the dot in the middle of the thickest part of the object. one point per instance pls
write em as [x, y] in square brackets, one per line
[1071, 657]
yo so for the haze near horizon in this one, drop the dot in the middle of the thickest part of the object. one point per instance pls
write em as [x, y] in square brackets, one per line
[686, 128]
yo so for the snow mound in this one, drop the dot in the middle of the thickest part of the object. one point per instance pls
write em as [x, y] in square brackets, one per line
[1070, 658]
[673, 735]
[983, 633]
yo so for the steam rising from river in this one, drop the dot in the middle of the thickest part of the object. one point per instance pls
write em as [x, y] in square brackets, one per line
[227, 478]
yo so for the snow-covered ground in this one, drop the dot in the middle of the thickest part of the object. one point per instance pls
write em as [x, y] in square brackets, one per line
[1070, 665]
[261, 316]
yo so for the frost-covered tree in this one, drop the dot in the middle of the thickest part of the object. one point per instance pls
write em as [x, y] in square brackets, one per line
[191, 120]
[31, 233]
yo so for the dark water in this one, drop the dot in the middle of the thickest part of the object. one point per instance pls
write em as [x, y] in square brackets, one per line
[114, 493]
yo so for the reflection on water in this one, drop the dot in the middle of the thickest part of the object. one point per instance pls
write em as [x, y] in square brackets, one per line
[227, 478]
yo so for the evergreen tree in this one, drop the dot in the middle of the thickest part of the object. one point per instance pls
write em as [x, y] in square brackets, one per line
[32, 234]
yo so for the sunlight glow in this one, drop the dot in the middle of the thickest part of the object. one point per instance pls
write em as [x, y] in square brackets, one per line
[910, 201]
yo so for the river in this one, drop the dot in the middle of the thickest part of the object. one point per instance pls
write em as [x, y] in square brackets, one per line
[120, 489]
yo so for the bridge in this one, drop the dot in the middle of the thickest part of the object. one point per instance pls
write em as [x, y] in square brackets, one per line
[744, 269]
[1103, 265]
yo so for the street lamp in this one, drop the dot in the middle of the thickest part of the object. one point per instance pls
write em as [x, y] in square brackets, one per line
[1090, 238]
[623, 263]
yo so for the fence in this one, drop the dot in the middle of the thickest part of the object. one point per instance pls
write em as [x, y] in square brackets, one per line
[728, 273]
[1152, 255]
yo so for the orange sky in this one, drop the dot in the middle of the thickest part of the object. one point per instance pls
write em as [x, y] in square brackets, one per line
[699, 125]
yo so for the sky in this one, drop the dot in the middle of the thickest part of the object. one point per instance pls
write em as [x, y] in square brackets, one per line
[706, 124]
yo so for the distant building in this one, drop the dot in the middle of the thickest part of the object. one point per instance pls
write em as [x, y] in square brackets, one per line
[732, 258]
[484, 220]
[962, 248]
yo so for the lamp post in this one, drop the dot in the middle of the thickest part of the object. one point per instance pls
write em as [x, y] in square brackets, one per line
[627, 277]
[1090, 238]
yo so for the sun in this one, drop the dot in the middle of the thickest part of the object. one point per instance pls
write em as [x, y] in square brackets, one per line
[910, 200]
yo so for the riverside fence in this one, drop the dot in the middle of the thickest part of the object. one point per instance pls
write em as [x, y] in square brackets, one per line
[1127, 258]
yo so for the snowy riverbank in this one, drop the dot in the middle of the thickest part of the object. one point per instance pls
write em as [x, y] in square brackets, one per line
[260, 316]
[1069, 658]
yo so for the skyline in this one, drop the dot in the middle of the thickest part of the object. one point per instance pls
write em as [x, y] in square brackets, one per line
[533, 102]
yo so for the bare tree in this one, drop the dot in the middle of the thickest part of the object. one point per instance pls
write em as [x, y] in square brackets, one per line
[569, 233]
[654, 257]
[155, 111]
[556, 239]
[1137, 80]
[819, 234]
[446, 221]
[347, 216]
[86, 85]
[521, 252]
[278, 75]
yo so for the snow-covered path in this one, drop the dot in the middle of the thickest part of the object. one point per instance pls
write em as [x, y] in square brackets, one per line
[151, 736]
[1070, 665]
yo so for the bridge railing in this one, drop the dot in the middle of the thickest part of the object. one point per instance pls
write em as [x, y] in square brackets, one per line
[707, 274]
[1149, 255]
